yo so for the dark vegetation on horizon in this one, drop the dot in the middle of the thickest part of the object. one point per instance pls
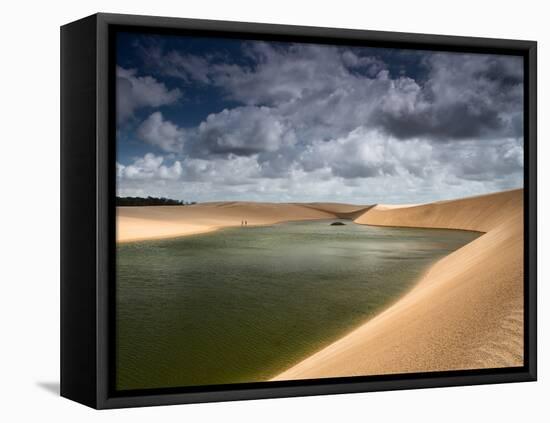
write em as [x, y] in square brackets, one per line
[150, 201]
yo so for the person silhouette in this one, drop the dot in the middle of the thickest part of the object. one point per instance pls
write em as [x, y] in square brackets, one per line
[245, 223]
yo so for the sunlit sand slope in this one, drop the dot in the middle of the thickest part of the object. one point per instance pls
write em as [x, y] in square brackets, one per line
[466, 312]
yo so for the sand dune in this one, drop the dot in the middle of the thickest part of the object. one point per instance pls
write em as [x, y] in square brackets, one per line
[394, 206]
[466, 312]
[341, 211]
[156, 222]
[480, 213]
[335, 207]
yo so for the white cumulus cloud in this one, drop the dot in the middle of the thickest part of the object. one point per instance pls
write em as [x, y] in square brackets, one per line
[244, 131]
[135, 92]
[157, 131]
[149, 167]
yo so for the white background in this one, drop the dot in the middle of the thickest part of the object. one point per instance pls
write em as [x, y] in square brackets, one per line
[29, 235]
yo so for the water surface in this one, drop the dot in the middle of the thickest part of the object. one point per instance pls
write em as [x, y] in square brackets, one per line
[244, 304]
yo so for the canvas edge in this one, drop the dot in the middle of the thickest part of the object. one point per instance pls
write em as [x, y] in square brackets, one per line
[78, 312]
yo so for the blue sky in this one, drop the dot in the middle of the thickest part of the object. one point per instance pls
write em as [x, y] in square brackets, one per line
[210, 119]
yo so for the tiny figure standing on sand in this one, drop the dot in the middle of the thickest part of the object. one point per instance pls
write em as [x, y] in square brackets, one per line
[245, 223]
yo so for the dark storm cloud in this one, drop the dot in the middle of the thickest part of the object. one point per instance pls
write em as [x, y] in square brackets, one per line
[457, 121]
[465, 96]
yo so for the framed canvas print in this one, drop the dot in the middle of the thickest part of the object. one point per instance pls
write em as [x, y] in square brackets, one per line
[255, 211]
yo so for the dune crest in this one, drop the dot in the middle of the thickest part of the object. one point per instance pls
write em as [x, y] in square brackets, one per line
[341, 211]
[466, 312]
[481, 213]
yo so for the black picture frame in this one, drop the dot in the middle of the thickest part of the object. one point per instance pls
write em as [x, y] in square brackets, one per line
[88, 211]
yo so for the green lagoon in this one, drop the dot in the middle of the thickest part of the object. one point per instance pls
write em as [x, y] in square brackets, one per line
[244, 304]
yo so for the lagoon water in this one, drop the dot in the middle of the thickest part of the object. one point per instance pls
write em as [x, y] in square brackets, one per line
[243, 304]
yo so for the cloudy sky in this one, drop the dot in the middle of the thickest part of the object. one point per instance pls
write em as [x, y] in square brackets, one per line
[208, 119]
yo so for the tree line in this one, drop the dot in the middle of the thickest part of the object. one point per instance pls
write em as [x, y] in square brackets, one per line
[150, 201]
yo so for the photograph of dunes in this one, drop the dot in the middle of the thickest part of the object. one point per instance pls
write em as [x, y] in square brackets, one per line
[290, 211]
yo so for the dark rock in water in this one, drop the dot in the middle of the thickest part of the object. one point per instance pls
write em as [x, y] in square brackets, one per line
[337, 224]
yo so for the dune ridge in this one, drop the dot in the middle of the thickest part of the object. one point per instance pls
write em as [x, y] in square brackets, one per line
[466, 312]
[341, 211]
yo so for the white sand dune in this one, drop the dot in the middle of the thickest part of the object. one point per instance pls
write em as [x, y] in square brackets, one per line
[466, 312]
[157, 222]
